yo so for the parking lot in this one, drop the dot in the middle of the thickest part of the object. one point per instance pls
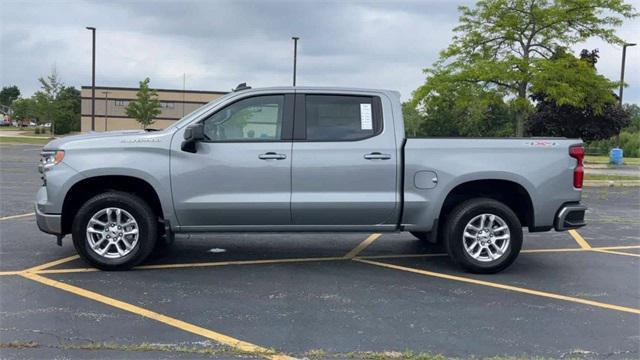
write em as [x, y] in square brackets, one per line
[329, 295]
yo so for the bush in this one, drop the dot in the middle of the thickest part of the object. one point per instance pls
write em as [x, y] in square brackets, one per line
[629, 142]
[37, 131]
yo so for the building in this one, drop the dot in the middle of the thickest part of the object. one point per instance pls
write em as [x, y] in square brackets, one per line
[111, 103]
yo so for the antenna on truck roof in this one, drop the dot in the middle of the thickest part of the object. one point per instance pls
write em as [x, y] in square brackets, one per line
[242, 86]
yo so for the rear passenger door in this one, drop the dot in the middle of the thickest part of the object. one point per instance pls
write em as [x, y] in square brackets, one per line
[344, 162]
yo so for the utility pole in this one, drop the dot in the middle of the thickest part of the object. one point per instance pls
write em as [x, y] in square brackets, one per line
[295, 57]
[624, 58]
[93, 79]
[106, 108]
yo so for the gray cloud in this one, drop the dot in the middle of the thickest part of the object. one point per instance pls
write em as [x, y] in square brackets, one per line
[218, 44]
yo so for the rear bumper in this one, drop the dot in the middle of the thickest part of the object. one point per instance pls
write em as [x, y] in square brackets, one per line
[570, 216]
[49, 223]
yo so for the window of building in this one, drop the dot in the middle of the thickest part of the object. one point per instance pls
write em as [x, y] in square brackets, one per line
[121, 102]
[253, 119]
[167, 105]
[340, 117]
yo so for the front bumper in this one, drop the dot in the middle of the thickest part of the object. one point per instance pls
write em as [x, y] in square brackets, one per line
[570, 216]
[49, 223]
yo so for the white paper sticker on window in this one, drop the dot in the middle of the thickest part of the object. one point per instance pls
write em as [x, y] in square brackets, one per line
[366, 121]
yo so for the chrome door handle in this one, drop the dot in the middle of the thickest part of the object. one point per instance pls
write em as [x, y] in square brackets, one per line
[377, 156]
[272, 156]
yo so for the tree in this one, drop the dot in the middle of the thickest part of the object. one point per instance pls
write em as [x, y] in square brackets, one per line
[67, 110]
[555, 118]
[412, 119]
[46, 98]
[9, 94]
[146, 106]
[24, 109]
[507, 46]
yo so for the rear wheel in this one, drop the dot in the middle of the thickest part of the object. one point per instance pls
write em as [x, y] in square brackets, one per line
[483, 235]
[114, 230]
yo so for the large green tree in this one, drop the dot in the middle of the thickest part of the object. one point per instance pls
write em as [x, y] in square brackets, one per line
[46, 97]
[9, 94]
[67, 110]
[552, 118]
[508, 46]
[24, 109]
[146, 106]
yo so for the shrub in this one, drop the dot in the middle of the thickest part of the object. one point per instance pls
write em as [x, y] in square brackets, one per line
[629, 142]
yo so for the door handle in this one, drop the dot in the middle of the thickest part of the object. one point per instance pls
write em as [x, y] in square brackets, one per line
[377, 156]
[272, 156]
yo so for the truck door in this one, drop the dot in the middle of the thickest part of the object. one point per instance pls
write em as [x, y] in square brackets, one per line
[344, 162]
[241, 173]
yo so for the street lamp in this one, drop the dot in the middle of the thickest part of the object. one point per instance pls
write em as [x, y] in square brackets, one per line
[93, 79]
[624, 57]
[295, 57]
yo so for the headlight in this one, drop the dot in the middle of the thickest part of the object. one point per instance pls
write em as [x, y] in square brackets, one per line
[49, 159]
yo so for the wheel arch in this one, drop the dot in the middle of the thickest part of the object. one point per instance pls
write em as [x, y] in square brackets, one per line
[89, 187]
[513, 194]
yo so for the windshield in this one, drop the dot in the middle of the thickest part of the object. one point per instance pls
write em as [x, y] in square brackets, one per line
[197, 112]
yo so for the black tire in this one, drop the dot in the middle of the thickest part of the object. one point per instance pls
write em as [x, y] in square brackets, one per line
[455, 225]
[421, 235]
[134, 205]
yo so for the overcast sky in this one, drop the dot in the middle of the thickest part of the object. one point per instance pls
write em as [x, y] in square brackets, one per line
[219, 44]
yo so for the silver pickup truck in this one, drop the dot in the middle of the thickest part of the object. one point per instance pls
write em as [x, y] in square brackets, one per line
[299, 159]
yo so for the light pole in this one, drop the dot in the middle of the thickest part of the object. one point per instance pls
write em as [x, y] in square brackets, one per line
[624, 58]
[93, 79]
[106, 108]
[295, 57]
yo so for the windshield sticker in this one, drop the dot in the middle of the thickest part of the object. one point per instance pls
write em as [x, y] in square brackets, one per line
[366, 122]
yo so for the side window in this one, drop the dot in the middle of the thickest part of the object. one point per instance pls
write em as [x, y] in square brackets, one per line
[256, 118]
[340, 117]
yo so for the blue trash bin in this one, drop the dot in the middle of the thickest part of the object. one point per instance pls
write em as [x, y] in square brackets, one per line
[616, 156]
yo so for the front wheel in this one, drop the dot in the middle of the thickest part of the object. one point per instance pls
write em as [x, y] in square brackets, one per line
[483, 235]
[114, 230]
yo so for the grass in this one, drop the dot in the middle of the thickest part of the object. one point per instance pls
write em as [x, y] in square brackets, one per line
[12, 128]
[610, 177]
[603, 159]
[23, 140]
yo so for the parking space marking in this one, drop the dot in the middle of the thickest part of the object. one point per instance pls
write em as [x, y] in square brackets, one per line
[363, 245]
[616, 252]
[52, 263]
[579, 239]
[16, 216]
[302, 260]
[503, 286]
[176, 323]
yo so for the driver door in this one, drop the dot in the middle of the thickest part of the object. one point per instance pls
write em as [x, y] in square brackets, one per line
[241, 173]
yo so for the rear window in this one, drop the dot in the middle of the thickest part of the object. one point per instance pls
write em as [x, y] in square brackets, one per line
[340, 118]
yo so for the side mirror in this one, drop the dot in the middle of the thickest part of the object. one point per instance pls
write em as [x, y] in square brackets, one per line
[192, 134]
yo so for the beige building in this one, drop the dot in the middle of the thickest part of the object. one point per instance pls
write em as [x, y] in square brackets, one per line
[111, 103]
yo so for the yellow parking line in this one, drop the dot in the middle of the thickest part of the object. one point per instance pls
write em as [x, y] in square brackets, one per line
[504, 287]
[616, 252]
[182, 325]
[52, 263]
[294, 260]
[363, 245]
[7, 273]
[16, 216]
[579, 239]
[202, 264]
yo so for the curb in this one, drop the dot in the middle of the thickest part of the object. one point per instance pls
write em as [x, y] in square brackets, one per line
[611, 183]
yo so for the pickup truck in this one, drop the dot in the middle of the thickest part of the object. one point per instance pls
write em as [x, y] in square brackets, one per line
[305, 159]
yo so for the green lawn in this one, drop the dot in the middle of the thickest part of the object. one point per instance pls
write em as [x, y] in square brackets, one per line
[11, 128]
[593, 159]
[22, 140]
[610, 177]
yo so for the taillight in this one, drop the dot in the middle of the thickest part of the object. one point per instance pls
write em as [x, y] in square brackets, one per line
[577, 152]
